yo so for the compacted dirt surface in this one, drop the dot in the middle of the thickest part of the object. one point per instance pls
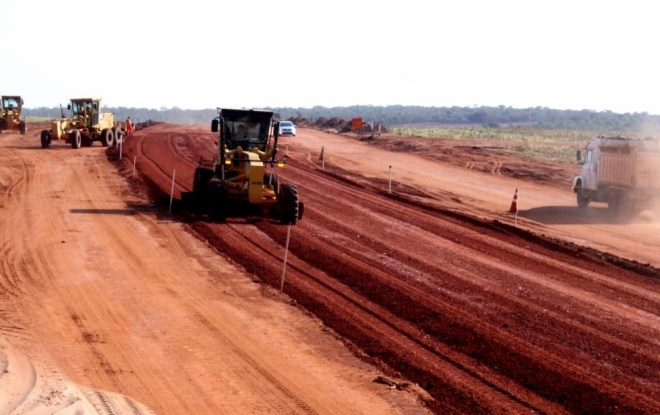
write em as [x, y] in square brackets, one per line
[554, 311]
[109, 306]
[110, 303]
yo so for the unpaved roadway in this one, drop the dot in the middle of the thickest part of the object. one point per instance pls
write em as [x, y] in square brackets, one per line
[483, 315]
[547, 208]
[108, 306]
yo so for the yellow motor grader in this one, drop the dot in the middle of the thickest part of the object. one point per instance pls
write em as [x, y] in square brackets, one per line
[86, 125]
[10, 114]
[241, 178]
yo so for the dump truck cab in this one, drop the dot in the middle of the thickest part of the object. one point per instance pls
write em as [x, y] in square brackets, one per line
[589, 175]
[10, 114]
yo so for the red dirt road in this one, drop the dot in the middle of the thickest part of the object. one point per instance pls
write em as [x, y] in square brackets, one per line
[485, 316]
[108, 306]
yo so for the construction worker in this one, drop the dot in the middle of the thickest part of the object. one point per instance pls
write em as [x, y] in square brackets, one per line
[129, 126]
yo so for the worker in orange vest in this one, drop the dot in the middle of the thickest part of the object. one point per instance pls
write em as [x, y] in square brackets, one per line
[129, 126]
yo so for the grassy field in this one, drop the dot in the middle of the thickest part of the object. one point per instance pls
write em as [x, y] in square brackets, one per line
[553, 145]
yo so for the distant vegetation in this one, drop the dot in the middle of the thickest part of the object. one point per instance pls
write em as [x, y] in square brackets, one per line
[398, 115]
[545, 144]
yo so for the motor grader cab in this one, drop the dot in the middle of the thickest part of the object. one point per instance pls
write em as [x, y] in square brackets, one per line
[85, 125]
[242, 175]
[10, 114]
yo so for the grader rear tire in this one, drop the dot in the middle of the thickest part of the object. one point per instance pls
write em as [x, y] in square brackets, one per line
[22, 127]
[107, 137]
[119, 136]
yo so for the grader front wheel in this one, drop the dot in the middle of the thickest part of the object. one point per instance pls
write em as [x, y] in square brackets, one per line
[217, 198]
[45, 139]
[290, 203]
[76, 139]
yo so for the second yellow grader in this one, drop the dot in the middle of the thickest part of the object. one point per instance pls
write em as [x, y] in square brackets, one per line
[86, 125]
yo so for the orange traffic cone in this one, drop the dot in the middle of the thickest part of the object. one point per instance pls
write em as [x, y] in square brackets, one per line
[514, 203]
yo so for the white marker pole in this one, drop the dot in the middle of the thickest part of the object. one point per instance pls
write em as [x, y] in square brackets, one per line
[172, 191]
[120, 147]
[390, 181]
[134, 165]
[286, 253]
[287, 149]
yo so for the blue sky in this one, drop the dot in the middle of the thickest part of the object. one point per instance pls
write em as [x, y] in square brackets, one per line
[204, 54]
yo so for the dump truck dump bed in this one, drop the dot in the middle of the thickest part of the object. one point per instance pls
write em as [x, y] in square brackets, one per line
[630, 164]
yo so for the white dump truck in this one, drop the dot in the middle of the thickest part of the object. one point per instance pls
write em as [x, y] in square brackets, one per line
[624, 172]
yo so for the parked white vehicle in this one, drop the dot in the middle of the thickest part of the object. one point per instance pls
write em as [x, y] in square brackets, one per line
[287, 128]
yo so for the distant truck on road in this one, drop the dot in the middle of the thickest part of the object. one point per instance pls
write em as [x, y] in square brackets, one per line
[621, 171]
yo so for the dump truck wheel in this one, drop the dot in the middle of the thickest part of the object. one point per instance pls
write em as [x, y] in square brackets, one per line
[45, 138]
[76, 140]
[22, 127]
[627, 209]
[107, 138]
[119, 136]
[273, 180]
[620, 207]
[290, 204]
[582, 201]
[613, 203]
[217, 195]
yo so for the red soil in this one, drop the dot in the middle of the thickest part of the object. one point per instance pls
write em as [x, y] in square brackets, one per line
[486, 317]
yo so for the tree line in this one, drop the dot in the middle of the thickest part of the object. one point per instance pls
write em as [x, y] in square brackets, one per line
[398, 115]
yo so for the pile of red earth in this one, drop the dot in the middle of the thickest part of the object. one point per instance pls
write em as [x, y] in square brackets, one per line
[335, 123]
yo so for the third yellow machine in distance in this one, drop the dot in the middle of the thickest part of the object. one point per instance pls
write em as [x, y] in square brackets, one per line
[10, 114]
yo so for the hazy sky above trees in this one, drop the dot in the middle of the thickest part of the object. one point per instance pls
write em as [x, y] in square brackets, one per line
[206, 54]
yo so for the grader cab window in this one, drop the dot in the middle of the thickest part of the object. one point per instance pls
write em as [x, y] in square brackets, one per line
[10, 103]
[247, 132]
[83, 108]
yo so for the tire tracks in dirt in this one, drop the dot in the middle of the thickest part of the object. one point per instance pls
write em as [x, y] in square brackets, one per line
[539, 324]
